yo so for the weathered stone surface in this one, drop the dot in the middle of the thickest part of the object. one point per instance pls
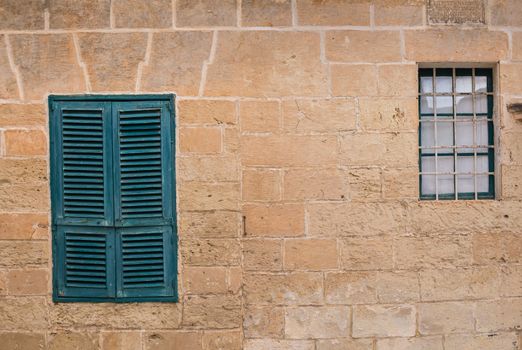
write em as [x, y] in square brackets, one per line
[112, 59]
[208, 168]
[310, 254]
[354, 79]
[341, 344]
[3, 283]
[24, 253]
[23, 115]
[400, 183]
[22, 341]
[457, 284]
[506, 341]
[383, 321]
[267, 63]
[262, 344]
[398, 80]
[510, 74]
[505, 12]
[274, 220]
[25, 143]
[350, 288]
[115, 316]
[121, 341]
[399, 13]
[211, 252]
[264, 322]
[318, 184]
[444, 318]
[27, 15]
[333, 12]
[212, 311]
[456, 12]
[497, 248]
[209, 224]
[298, 288]
[333, 115]
[397, 287]
[204, 280]
[24, 226]
[363, 46]
[28, 314]
[25, 197]
[209, 196]
[424, 343]
[261, 185]
[511, 281]
[69, 340]
[516, 53]
[260, 116]
[504, 314]
[27, 282]
[271, 13]
[180, 69]
[64, 14]
[289, 150]
[142, 13]
[23, 170]
[511, 181]
[221, 340]
[389, 114]
[205, 13]
[365, 184]
[8, 84]
[262, 254]
[207, 112]
[47, 63]
[455, 45]
[354, 253]
[172, 340]
[317, 322]
[200, 140]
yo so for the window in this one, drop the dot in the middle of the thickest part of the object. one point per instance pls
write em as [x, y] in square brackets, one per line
[112, 196]
[456, 145]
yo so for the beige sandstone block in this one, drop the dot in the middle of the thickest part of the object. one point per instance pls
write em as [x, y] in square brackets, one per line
[342, 344]
[503, 314]
[398, 80]
[73, 340]
[494, 248]
[310, 254]
[27, 282]
[25, 143]
[350, 288]
[23, 170]
[47, 63]
[268, 13]
[24, 253]
[458, 284]
[363, 46]
[21, 341]
[263, 344]
[399, 13]
[115, 316]
[180, 70]
[493, 341]
[24, 226]
[121, 341]
[267, 63]
[27, 15]
[210, 224]
[200, 140]
[433, 252]
[397, 287]
[511, 181]
[320, 184]
[505, 12]
[204, 280]
[172, 340]
[383, 321]
[389, 114]
[263, 254]
[354, 79]
[333, 115]
[8, 83]
[112, 59]
[455, 45]
[260, 116]
[510, 75]
[28, 314]
[456, 12]
[511, 281]
[25, 197]
[3, 283]
[231, 141]
[367, 253]
[333, 13]
[274, 220]
[221, 340]
[401, 183]
[296, 288]
[205, 13]
[64, 14]
[511, 152]
[212, 311]
[317, 322]
[264, 322]
[289, 150]
[23, 115]
[209, 196]
[444, 318]
[211, 252]
[516, 54]
[365, 184]
[207, 112]
[142, 13]
[261, 185]
[208, 168]
[424, 343]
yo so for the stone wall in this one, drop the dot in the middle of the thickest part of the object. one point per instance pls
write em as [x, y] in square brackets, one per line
[299, 220]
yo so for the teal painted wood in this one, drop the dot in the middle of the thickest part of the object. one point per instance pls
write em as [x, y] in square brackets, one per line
[112, 176]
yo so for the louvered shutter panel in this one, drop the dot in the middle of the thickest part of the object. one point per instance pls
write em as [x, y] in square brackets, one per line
[81, 190]
[143, 199]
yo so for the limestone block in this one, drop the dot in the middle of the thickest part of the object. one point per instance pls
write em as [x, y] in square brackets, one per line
[172, 340]
[24, 226]
[24, 253]
[204, 280]
[498, 315]
[8, 84]
[212, 311]
[121, 341]
[207, 112]
[64, 14]
[208, 168]
[27, 282]
[221, 340]
[383, 321]
[73, 340]
[506, 341]
[205, 13]
[25, 115]
[320, 184]
[366, 253]
[211, 252]
[261, 185]
[505, 12]
[399, 13]
[389, 114]
[424, 343]
[22, 341]
[363, 46]
[317, 322]
[209, 196]
[142, 13]
[341, 344]
[271, 13]
[350, 288]
[25, 142]
[262, 344]
[456, 12]
[29, 314]
[27, 15]
[446, 317]
[264, 322]
[397, 287]
[262, 254]
[333, 13]
[210, 224]
[310, 254]
[260, 116]
[274, 220]
[354, 79]
[200, 140]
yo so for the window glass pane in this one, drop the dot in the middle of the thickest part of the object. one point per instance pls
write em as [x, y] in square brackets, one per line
[445, 164]
[427, 134]
[444, 104]
[464, 136]
[426, 105]
[445, 136]
[482, 183]
[428, 164]
[481, 84]
[444, 84]
[481, 104]
[446, 184]
[482, 133]
[428, 184]
[465, 184]
[464, 104]
[465, 164]
[463, 84]
[482, 164]
[426, 85]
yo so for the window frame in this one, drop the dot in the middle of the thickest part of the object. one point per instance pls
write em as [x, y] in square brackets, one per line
[54, 130]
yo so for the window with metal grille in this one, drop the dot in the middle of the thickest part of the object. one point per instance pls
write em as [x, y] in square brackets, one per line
[456, 144]
[112, 196]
